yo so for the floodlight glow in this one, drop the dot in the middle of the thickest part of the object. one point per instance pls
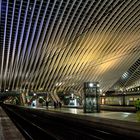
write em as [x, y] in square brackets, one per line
[125, 75]
[72, 95]
[98, 85]
[90, 84]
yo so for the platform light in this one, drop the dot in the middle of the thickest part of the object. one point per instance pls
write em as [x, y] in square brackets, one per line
[100, 90]
[98, 85]
[103, 94]
[91, 84]
[34, 94]
[121, 89]
[58, 84]
[72, 95]
[125, 75]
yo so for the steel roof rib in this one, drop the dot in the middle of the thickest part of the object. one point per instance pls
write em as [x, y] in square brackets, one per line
[18, 65]
[70, 35]
[23, 29]
[32, 47]
[67, 59]
[64, 67]
[9, 47]
[39, 50]
[49, 32]
[10, 38]
[50, 36]
[4, 39]
[15, 40]
[60, 44]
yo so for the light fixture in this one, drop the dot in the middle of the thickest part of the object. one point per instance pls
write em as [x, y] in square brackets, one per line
[103, 94]
[91, 85]
[98, 85]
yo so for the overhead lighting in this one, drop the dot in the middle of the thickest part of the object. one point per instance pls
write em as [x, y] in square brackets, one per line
[91, 84]
[30, 8]
[58, 84]
[125, 75]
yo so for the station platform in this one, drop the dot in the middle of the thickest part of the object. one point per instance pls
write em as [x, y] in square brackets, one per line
[116, 115]
[8, 130]
[124, 123]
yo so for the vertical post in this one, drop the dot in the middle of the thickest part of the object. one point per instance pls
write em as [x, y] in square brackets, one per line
[124, 99]
[23, 98]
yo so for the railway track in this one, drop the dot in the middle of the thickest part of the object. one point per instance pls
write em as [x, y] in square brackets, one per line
[40, 125]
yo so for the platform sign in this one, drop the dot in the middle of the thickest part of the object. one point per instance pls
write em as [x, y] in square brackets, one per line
[91, 97]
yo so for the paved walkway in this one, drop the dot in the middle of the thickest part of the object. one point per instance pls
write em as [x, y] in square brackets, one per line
[125, 116]
[8, 130]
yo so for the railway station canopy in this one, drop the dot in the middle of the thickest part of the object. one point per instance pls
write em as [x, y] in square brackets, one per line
[48, 45]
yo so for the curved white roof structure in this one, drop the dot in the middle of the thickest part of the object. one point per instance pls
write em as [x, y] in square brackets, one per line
[59, 44]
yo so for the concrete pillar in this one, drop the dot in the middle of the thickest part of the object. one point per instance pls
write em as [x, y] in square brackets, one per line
[23, 98]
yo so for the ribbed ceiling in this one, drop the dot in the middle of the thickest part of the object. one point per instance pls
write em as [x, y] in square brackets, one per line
[130, 78]
[59, 44]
